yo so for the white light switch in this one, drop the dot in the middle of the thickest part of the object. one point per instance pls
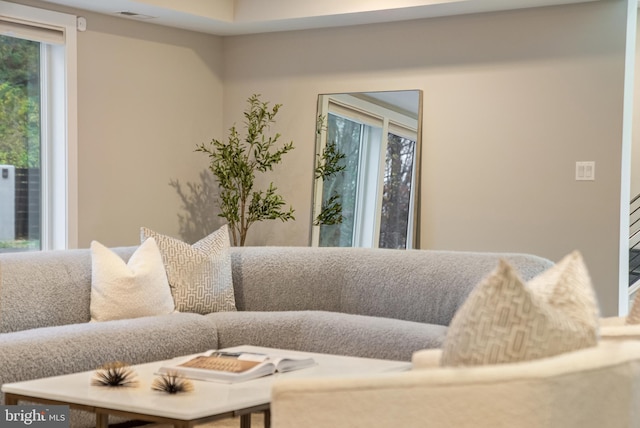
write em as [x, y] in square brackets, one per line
[586, 171]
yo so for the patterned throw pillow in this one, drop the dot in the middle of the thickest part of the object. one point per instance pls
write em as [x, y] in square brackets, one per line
[199, 274]
[505, 320]
[634, 313]
[122, 290]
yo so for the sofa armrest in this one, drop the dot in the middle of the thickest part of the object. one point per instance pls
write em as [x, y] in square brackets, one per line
[426, 359]
[589, 388]
[612, 321]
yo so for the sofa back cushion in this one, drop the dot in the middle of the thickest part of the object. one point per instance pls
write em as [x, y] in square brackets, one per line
[286, 278]
[46, 288]
[413, 285]
[49, 288]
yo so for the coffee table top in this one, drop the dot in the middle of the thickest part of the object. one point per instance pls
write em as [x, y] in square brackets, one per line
[207, 398]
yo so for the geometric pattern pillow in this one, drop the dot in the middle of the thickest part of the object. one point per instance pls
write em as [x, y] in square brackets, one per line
[634, 314]
[506, 320]
[199, 274]
[135, 289]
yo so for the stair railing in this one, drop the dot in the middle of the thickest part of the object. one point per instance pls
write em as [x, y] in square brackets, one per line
[634, 244]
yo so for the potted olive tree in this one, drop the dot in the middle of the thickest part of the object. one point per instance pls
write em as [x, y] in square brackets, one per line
[235, 164]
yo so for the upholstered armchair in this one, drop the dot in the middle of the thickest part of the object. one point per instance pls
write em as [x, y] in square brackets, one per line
[616, 328]
[595, 387]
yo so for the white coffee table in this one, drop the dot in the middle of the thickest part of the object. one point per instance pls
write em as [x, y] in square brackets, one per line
[207, 402]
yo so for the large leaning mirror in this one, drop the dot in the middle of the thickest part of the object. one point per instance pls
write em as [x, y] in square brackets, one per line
[367, 169]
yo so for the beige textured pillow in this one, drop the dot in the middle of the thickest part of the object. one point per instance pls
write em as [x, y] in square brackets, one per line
[634, 313]
[135, 289]
[505, 320]
[199, 274]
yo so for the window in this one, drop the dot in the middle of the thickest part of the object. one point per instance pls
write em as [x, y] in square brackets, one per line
[38, 129]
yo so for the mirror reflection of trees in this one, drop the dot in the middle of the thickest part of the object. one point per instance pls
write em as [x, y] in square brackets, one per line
[396, 193]
[346, 135]
[368, 199]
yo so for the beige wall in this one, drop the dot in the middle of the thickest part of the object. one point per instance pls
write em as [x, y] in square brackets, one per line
[146, 96]
[635, 152]
[511, 101]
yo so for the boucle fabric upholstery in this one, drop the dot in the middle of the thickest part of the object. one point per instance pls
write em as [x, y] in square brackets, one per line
[591, 388]
[328, 332]
[73, 348]
[78, 347]
[353, 301]
[414, 285]
[60, 279]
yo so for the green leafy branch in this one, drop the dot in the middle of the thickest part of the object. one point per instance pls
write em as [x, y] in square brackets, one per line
[329, 164]
[331, 212]
[234, 164]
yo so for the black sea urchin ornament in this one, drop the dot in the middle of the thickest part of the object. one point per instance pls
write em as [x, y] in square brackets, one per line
[171, 383]
[115, 373]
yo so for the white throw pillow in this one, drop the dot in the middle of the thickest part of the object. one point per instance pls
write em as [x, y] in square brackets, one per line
[505, 320]
[135, 289]
[199, 274]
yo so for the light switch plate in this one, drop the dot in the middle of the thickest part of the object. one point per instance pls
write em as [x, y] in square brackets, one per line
[585, 171]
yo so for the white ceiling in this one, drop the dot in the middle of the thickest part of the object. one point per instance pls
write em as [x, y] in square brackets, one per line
[233, 17]
[405, 100]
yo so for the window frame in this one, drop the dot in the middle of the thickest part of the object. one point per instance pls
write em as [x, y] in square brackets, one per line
[59, 125]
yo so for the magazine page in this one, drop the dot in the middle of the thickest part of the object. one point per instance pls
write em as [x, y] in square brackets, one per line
[286, 363]
[233, 367]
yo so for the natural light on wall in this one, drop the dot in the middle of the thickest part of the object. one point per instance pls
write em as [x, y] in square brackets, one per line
[38, 129]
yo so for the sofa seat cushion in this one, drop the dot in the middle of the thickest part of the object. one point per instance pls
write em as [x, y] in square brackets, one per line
[51, 351]
[327, 332]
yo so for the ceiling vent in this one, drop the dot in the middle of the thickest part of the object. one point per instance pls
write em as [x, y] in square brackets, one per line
[134, 15]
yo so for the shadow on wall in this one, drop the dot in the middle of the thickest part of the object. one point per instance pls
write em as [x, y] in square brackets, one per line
[198, 202]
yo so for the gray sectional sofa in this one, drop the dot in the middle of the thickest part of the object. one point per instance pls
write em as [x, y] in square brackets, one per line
[350, 301]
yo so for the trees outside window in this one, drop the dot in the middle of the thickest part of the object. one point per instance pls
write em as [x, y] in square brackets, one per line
[20, 132]
[38, 129]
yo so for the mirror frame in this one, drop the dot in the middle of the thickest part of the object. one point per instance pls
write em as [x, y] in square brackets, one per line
[320, 142]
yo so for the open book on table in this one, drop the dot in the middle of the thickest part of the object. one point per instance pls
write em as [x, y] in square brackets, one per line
[231, 367]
